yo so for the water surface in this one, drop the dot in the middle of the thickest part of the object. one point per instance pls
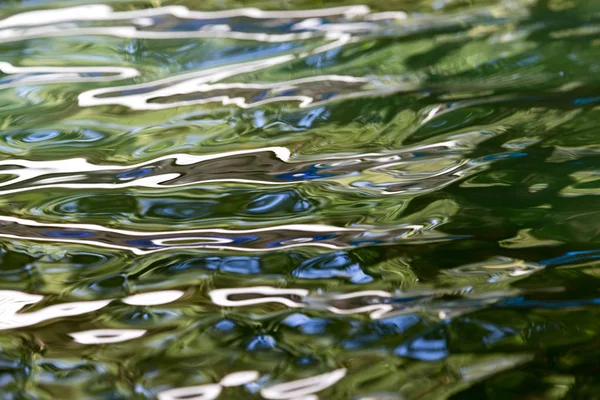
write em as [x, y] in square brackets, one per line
[300, 200]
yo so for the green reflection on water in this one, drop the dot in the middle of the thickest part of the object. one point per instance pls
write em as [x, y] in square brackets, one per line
[401, 208]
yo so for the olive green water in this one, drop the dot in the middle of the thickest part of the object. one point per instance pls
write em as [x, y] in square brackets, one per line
[320, 200]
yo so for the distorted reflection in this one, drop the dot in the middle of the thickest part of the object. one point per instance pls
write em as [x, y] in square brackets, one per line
[338, 26]
[243, 203]
[238, 297]
[209, 391]
[45, 75]
[440, 304]
[11, 302]
[202, 392]
[375, 300]
[303, 387]
[103, 336]
[140, 242]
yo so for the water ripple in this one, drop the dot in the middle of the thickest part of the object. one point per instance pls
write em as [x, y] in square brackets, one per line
[371, 201]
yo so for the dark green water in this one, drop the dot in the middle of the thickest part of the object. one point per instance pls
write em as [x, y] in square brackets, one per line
[321, 200]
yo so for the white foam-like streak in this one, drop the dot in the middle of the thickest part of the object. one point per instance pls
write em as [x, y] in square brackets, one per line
[11, 35]
[197, 239]
[153, 298]
[217, 243]
[202, 82]
[180, 84]
[363, 293]
[239, 378]
[209, 391]
[200, 392]
[101, 12]
[51, 75]
[103, 336]
[140, 101]
[347, 11]
[241, 102]
[41, 17]
[65, 74]
[130, 32]
[11, 302]
[150, 182]
[270, 295]
[99, 228]
[303, 387]
[201, 85]
[138, 251]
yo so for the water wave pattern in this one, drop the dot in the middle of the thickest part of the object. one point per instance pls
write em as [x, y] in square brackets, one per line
[387, 200]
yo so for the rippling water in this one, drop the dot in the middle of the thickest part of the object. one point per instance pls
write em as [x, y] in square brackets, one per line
[381, 200]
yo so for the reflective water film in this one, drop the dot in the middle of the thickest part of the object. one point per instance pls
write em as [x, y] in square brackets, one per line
[376, 200]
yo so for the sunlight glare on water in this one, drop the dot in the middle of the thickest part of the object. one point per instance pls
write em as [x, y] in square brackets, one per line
[299, 200]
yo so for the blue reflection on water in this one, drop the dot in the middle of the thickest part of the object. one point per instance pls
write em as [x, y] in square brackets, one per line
[69, 234]
[572, 256]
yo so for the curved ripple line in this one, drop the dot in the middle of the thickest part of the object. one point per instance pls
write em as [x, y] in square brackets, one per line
[303, 387]
[211, 390]
[82, 165]
[111, 177]
[138, 251]
[130, 32]
[377, 304]
[101, 12]
[11, 302]
[63, 74]
[321, 228]
[140, 242]
[221, 296]
[74, 166]
[202, 82]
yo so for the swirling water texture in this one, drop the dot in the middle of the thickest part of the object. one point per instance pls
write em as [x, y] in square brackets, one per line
[387, 200]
